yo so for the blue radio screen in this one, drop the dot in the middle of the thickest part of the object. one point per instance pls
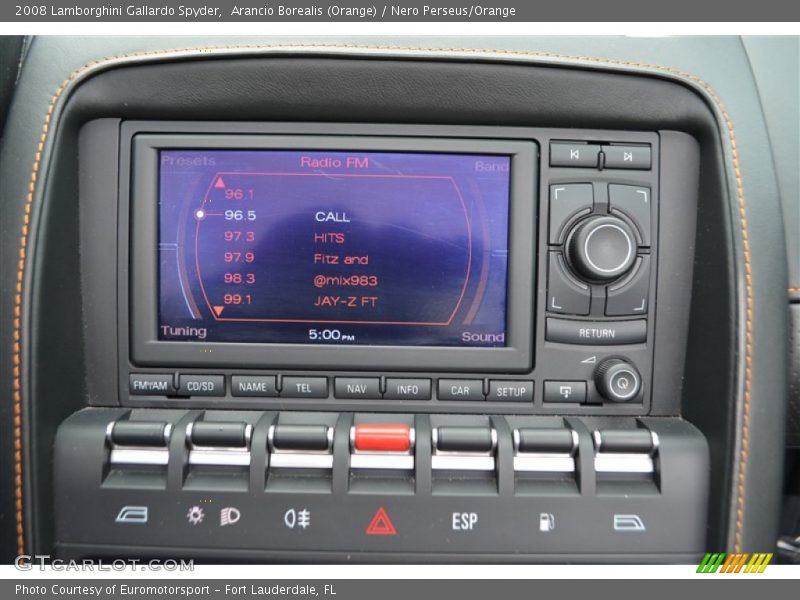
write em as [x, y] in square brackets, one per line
[316, 247]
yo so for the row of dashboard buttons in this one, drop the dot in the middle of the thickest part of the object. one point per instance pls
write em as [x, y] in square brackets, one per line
[345, 388]
[596, 156]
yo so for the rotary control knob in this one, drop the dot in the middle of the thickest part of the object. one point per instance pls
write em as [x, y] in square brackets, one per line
[617, 380]
[601, 248]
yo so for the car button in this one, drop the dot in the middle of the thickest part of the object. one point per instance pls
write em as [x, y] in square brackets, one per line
[461, 389]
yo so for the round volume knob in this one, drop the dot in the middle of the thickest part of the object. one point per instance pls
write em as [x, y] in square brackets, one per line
[618, 380]
[602, 248]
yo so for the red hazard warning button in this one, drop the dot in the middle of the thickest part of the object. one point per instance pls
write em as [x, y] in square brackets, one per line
[381, 524]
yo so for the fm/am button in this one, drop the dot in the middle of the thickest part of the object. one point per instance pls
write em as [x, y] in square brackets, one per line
[596, 333]
[151, 384]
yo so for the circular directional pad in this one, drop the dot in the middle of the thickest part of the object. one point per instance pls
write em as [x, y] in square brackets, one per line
[601, 248]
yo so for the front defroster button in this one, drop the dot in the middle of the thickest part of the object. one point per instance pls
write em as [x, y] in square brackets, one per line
[511, 391]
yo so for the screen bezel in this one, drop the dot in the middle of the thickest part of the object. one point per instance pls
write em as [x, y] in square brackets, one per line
[147, 349]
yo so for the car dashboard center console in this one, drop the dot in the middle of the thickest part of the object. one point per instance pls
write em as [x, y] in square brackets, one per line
[366, 341]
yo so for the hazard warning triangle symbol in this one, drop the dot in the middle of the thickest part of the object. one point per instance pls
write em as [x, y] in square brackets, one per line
[381, 524]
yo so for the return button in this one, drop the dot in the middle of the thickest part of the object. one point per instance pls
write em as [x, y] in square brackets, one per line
[596, 333]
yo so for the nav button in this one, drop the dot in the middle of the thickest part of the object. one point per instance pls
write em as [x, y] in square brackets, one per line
[510, 391]
[358, 388]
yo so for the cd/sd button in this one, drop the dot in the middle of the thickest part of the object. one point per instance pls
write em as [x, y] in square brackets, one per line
[201, 385]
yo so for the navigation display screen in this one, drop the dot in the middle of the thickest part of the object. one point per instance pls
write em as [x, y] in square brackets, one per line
[321, 247]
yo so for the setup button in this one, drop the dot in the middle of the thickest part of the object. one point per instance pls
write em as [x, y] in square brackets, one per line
[510, 391]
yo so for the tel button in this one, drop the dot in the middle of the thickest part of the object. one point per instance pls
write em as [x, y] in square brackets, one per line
[201, 385]
[304, 387]
[461, 389]
[511, 391]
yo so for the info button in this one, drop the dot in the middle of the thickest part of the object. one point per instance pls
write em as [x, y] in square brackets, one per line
[408, 389]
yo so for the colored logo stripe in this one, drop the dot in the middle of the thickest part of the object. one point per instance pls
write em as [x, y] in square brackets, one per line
[734, 563]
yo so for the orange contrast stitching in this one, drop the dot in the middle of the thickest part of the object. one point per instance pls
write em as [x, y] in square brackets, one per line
[32, 186]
